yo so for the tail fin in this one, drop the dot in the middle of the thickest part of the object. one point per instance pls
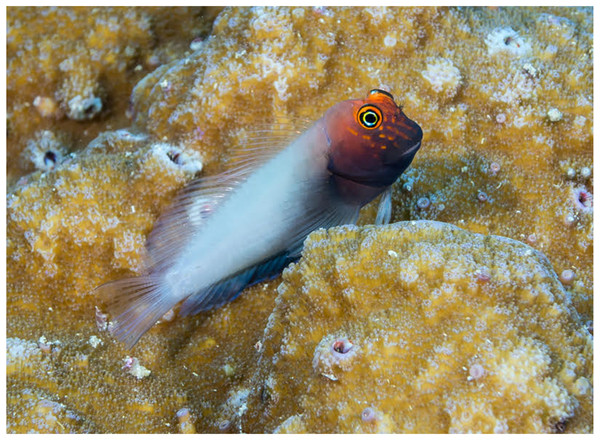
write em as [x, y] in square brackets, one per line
[135, 304]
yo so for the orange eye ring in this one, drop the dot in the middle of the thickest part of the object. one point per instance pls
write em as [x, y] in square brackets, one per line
[369, 117]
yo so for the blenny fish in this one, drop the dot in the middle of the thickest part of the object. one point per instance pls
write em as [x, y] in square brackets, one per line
[226, 232]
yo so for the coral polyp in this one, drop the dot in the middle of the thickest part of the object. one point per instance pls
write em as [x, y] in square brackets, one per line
[342, 346]
[582, 200]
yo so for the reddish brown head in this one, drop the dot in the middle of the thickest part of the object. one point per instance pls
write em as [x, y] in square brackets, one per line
[371, 141]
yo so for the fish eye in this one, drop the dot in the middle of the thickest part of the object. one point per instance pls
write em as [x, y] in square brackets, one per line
[369, 116]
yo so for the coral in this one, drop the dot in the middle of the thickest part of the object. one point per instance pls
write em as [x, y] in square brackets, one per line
[507, 40]
[364, 341]
[71, 207]
[45, 150]
[443, 77]
[79, 64]
[133, 367]
[196, 84]
[38, 414]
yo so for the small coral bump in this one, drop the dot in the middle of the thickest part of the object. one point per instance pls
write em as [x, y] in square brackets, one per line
[368, 415]
[571, 173]
[423, 203]
[560, 426]
[80, 108]
[101, 320]
[228, 370]
[183, 415]
[554, 115]
[224, 425]
[341, 347]
[476, 372]
[132, 366]
[184, 419]
[583, 199]
[569, 219]
[585, 172]
[567, 276]
[531, 239]
[165, 85]
[153, 61]
[46, 107]
[390, 40]
[482, 275]
[482, 197]
[494, 168]
[95, 341]
[443, 77]
[44, 345]
[197, 44]
[500, 118]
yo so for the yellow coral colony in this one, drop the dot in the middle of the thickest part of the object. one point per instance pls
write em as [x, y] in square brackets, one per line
[421, 327]
[409, 328]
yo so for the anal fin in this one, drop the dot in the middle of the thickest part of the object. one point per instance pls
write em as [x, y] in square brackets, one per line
[229, 289]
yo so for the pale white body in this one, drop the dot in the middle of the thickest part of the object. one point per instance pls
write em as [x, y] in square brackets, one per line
[257, 220]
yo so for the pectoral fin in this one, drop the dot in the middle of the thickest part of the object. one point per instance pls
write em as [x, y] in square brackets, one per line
[384, 212]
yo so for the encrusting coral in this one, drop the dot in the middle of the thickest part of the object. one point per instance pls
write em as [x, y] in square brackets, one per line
[504, 97]
[455, 331]
[70, 66]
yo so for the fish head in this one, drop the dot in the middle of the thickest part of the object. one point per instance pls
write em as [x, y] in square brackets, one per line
[371, 141]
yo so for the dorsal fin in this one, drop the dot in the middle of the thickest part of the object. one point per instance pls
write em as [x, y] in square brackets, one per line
[266, 140]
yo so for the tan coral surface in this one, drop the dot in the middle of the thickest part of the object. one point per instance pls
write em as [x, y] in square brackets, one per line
[71, 70]
[504, 97]
[421, 327]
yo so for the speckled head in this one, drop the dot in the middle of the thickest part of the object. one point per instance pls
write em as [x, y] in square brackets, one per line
[371, 141]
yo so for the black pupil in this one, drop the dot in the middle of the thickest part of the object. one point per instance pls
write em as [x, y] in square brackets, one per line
[370, 118]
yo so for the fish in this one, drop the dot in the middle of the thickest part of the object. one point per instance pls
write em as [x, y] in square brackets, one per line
[226, 232]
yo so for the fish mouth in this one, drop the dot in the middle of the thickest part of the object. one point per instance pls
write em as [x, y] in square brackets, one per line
[412, 149]
[384, 176]
[356, 180]
[405, 155]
